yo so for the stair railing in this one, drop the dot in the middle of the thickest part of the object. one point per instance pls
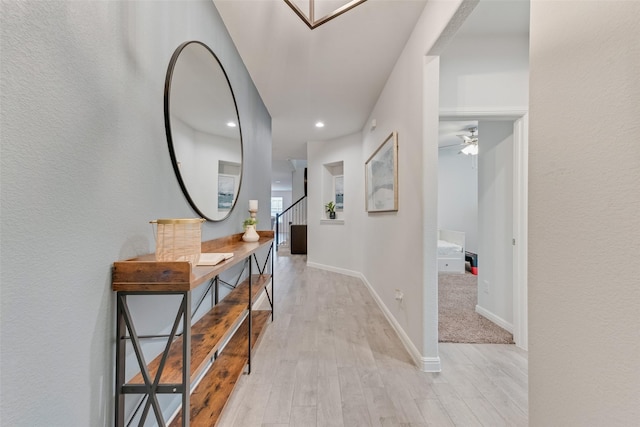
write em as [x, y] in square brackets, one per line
[294, 214]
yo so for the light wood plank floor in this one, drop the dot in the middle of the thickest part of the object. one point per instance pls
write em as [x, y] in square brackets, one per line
[330, 358]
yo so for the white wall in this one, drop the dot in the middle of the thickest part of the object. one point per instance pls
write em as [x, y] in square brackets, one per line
[484, 74]
[495, 220]
[84, 167]
[584, 199]
[297, 183]
[336, 244]
[458, 195]
[400, 248]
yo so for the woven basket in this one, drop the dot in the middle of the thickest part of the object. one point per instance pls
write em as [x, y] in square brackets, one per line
[179, 239]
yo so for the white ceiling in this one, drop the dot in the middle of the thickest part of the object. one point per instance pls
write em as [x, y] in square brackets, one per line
[335, 72]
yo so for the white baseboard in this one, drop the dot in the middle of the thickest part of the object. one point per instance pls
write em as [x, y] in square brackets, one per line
[339, 270]
[431, 364]
[425, 364]
[495, 319]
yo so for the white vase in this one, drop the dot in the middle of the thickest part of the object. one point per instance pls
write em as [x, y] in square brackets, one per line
[250, 234]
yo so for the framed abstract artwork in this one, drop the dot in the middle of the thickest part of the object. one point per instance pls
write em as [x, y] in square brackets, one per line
[381, 177]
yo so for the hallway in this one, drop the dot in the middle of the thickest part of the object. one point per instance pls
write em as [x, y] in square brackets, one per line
[331, 359]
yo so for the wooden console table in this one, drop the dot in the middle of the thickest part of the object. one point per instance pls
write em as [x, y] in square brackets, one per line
[213, 351]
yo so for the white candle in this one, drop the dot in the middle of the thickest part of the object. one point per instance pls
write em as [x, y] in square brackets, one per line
[253, 205]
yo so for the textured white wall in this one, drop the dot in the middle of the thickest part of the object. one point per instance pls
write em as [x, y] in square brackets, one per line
[495, 219]
[584, 200]
[458, 195]
[84, 167]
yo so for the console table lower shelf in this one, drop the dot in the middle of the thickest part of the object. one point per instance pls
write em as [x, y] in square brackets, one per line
[212, 394]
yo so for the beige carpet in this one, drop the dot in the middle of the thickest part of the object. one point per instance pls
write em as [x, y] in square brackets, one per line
[458, 320]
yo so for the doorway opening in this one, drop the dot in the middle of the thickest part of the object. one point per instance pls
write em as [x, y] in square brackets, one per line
[480, 196]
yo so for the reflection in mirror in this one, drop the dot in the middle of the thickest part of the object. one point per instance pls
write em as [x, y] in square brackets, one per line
[203, 130]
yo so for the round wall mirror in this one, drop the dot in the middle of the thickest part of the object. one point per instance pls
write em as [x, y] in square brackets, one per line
[203, 130]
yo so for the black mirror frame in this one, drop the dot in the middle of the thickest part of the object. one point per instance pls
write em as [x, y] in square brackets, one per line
[167, 126]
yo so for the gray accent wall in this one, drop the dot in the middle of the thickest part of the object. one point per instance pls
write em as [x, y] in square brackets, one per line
[84, 167]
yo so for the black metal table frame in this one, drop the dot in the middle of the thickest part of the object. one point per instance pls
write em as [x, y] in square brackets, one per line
[152, 386]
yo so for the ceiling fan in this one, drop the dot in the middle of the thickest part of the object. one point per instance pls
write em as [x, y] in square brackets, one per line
[469, 143]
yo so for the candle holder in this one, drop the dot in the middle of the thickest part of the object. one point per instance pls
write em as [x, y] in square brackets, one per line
[250, 233]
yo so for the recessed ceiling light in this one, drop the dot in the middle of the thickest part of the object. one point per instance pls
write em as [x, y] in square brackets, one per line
[319, 125]
[231, 124]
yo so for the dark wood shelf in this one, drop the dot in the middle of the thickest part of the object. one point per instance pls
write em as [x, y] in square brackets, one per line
[208, 333]
[213, 391]
[145, 274]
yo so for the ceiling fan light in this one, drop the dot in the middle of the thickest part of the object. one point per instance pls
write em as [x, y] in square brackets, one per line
[470, 150]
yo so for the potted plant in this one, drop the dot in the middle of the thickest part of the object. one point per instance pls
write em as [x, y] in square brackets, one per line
[249, 221]
[330, 207]
[250, 234]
